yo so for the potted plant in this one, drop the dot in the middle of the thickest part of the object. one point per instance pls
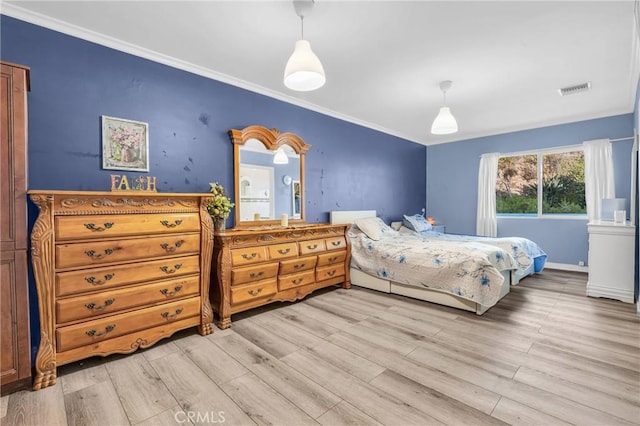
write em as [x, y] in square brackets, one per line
[219, 207]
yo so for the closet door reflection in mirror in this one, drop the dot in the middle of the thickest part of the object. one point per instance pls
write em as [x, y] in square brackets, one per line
[296, 198]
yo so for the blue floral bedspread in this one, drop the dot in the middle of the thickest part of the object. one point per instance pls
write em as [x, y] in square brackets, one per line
[523, 250]
[466, 269]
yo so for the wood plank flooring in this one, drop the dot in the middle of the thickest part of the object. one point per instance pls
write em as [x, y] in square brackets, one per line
[545, 355]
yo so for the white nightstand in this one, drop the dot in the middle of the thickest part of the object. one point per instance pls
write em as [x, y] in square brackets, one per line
[611, 252]
[438, 228]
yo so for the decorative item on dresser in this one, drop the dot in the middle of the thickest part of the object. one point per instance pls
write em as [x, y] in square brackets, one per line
[15, 362]
[116, 272]
[267, 256]
[220, 206]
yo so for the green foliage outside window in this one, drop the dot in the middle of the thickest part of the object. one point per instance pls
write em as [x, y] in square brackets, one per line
[562, 184]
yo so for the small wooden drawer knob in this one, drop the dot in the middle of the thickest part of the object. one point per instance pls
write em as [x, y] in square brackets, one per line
[172, 248]
[166, 315]
[95, 281]
[96, 333]
[169, 293]
[94, 228]
[168, 270]
[95, 307]
[256, 292]
[169, 224]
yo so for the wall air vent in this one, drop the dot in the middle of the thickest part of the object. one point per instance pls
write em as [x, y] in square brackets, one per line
[570, 90]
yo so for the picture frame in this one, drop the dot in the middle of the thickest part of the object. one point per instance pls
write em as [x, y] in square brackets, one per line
[125, 144]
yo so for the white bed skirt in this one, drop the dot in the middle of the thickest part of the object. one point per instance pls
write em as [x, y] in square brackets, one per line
[362, 279]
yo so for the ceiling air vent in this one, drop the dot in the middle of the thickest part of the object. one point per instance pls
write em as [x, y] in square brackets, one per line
[570, 90]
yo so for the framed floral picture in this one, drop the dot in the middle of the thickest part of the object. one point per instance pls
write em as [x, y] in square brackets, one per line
[125, 144]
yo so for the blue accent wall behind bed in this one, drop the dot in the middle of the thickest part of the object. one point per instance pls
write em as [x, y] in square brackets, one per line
[74, 82]
[452, 182]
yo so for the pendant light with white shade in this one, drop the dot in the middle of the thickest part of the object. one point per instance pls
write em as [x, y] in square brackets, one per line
[303, 72]
[280, 157]
[445, 123]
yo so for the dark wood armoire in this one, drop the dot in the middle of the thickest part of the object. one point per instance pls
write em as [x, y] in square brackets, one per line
[15, 359]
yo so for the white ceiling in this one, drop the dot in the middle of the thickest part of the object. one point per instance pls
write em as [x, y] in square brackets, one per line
[384, 59]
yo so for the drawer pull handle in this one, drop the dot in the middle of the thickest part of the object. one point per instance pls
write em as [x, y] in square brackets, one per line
[95, 333]
[298, 266]
[93, 281]
[246, 256]
[166, 269]
[97, 256]
[333, 259]
[171, 225]
[283, 252]
[258, 275]
[336, 243]
[168, 293]
[93, 227]
[255, 292]
[331, 273]
[168, 316]
[170, 249]
[297, 280]
[94, 307]
[313, 247]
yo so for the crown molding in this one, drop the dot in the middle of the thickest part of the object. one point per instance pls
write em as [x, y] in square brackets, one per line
[532, 126]
[85, 34]
[29, 16]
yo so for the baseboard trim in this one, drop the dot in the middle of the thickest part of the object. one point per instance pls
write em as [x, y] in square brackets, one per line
[596, 290]
[566, 267]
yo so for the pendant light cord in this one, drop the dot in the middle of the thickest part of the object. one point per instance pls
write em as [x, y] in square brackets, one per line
[302, 26]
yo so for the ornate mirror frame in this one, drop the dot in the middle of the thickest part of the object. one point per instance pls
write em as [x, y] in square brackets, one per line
[272, 140]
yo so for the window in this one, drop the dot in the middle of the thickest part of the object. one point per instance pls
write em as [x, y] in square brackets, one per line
[543, 183]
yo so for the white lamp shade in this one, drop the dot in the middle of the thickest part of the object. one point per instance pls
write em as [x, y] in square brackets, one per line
[280, 157]
[304, 71]
[445, 123]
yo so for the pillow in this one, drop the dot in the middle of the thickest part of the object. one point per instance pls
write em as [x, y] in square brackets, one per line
[396, 226]
[404, 230]
[373, 227]
[416, 222]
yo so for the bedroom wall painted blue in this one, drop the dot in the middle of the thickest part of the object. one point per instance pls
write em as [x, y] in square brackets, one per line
[452, 180]
[74, 82]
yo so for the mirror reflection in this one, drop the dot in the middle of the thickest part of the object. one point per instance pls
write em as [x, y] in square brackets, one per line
[268, 181]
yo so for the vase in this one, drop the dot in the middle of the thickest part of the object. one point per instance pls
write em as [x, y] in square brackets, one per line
[126, 155]
[219, 224]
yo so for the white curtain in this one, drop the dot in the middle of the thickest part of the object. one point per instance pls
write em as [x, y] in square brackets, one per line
[598, 175]
[486, 222]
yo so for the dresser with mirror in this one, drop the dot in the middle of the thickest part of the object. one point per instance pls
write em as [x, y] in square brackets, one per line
[272, 254]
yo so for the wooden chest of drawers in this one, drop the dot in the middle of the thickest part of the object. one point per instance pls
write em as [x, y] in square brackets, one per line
[117, 271]
[254, 267]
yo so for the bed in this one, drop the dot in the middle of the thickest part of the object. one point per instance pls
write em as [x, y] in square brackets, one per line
[528, 255]
[464, 275]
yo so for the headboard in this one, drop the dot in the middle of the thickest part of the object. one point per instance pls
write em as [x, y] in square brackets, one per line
[348, 216]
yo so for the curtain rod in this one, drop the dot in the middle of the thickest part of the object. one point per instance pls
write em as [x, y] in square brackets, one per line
[622, 139]
[556, 148]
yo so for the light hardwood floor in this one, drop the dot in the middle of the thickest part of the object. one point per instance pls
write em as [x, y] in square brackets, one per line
[545, 355]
